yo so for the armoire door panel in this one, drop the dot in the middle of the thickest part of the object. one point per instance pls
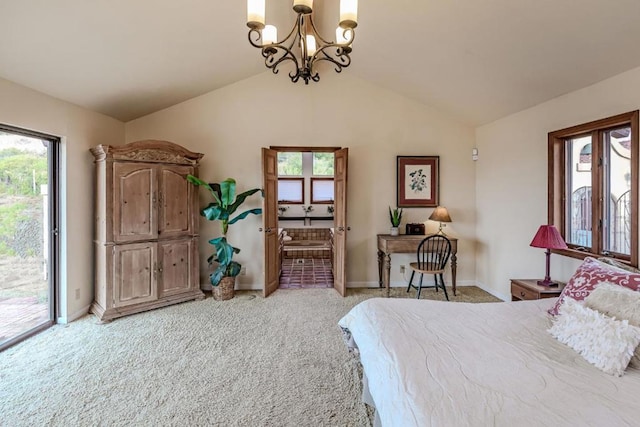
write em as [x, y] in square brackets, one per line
[175, 258]
[175, 196]
[134, 273]
[134, 199]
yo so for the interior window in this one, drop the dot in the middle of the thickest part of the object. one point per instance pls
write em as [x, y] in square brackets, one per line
[323, 164]
[291, 190]
[289, 164]
[322, 191]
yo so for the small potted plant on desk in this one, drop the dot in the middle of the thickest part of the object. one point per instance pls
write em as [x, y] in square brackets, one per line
[395, 216]
[225, 204]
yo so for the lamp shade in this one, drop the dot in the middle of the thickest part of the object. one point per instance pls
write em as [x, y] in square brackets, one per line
[548, 237]
[440, 214]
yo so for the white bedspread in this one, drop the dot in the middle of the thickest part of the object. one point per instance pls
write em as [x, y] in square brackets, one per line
[431, 363]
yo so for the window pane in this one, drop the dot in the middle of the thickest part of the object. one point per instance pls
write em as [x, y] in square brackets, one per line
[617, 185]
[291, 190]
[321, 190]
[323, 164]
[289, 164]
[578, 213]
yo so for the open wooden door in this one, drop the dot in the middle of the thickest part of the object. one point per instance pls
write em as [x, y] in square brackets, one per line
[340, 221]
[270, 221]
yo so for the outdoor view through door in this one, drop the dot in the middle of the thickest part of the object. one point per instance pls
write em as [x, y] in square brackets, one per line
[27, 221]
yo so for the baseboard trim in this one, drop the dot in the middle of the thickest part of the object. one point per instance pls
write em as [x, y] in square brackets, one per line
[503, 297]
[73, 316]
[400, 284]
[369, 284]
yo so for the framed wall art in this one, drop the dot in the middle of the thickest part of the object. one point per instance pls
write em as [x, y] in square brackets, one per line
[418, 181]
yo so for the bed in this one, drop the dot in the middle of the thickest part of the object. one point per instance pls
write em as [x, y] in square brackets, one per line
[432, 363]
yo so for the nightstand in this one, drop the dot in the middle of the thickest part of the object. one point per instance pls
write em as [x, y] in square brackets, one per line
[528, 289]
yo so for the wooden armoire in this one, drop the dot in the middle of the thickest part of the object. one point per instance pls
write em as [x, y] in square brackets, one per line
[146, 227]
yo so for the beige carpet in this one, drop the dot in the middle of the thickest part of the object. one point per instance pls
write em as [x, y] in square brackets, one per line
[250, 361]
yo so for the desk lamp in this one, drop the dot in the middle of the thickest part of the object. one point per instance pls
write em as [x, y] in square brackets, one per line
[441, 215]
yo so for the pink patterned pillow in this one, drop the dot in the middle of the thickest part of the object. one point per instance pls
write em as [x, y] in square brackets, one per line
[590, 274]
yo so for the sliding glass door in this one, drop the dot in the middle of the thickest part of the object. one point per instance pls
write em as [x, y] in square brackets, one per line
[28, 233]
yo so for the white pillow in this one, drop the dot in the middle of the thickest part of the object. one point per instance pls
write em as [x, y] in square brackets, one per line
[618, 302]
[606, 343]
[615, 301]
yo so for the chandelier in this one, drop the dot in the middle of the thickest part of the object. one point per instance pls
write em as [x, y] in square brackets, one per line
[303, 46]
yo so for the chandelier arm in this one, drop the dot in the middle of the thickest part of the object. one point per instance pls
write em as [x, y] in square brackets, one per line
[316, 33]
[296, 26]
[352, 33]
[302, 37]
[338, 65]
[272, 61]
[339, 57]
[258, 37]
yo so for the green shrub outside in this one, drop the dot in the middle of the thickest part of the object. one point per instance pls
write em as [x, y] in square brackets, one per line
[17, 171]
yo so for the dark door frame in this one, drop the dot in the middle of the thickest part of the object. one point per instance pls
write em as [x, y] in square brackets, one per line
[53, 270]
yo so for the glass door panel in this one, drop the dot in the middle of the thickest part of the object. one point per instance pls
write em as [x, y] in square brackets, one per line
[26, 214]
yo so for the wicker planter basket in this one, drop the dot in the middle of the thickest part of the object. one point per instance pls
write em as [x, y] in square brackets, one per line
[225, 290]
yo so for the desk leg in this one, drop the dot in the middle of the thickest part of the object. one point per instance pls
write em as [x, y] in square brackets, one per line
[380, 255]
[454, 266]
[387, 273]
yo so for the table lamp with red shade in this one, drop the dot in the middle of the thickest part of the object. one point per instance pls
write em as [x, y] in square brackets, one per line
[548, 237]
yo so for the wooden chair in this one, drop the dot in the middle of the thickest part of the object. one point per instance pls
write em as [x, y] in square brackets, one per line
[433, 254]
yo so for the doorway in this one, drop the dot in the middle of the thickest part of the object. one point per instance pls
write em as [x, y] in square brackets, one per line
[28, 233]
[304, 217]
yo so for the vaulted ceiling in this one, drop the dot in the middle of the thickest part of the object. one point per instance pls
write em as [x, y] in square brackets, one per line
[477, 60]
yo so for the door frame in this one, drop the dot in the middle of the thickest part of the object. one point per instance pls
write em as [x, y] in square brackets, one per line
[298, 149]
[53, 191]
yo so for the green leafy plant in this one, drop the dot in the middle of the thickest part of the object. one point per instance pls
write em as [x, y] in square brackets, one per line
[21, 171]
[395, 216]
[224, 206]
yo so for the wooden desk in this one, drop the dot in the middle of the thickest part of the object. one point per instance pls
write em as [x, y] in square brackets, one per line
[388, 244]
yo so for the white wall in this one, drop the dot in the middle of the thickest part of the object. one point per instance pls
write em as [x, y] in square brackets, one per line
[80, 129]
[231, 124]
[511, 179]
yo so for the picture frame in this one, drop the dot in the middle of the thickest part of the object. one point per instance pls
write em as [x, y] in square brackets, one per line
[418, 182]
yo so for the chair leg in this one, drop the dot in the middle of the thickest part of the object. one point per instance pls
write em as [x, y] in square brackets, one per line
[435, 279]
[420, 286]
[413, 273]
[444, 288]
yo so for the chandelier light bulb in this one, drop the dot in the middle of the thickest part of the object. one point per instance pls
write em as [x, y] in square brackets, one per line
[255, 13]
[269, 35]
[348, 13]
[303, 6]
[311, 45]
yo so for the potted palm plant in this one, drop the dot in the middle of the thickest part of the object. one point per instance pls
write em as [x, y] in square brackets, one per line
[395, 216]
[224, 206]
